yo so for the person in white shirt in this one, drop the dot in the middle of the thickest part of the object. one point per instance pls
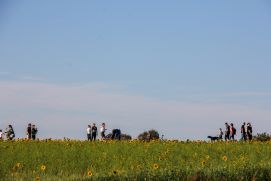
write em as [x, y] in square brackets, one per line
[1, 135]
[10, 134]
[89, 133]
[103, 129]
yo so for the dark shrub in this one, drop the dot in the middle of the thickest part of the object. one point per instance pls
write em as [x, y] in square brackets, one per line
[262, 137]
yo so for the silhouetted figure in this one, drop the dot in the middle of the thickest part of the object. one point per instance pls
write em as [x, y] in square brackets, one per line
[94, 132]
[232, 132]
[34, 132]
[243, 132]
[249, 131]
[116, 134]
[89, 133]
[29, 131]
[220, 134]
[227, 132]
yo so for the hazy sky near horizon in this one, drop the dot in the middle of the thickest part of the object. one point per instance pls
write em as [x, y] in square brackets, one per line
[181, 67]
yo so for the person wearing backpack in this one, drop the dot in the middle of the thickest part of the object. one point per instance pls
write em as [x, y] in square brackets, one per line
[232, 132]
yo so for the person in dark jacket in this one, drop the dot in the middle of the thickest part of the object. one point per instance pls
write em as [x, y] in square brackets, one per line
[232, 132]
[29, 131]
[243, 132]
[94, 132]
[249, 131]
[227, 132]
[116, 134]
[34, 132]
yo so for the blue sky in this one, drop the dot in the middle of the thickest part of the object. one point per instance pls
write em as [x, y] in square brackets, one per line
[178, 58]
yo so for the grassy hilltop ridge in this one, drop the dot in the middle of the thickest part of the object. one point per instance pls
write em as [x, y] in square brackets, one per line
[134, 160]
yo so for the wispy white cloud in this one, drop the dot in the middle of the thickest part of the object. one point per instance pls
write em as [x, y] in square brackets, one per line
[65, 110]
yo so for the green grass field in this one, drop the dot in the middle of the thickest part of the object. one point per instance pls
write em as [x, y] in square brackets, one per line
[134, 160]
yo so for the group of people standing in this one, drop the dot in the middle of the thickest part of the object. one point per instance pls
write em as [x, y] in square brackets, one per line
[92, 132]
[31, 132]
[230, 132]
[246, 131]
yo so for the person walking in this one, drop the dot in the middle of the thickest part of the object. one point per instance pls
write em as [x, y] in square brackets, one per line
[89, 133]
[249, 131]
[243, 132]
[232, 132]
[227, 132]
[94, 132]
[34, 132]
[220, 134]
[29, 131]
[103, 129]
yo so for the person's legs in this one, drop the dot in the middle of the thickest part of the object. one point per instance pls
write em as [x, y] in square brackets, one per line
[102, 135]
[118, 137]
[226, 137]
[242, 137]
[94, 136]
[89, 137]
[250, 137]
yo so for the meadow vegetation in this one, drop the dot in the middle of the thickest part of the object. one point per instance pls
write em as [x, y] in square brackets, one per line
[134, 160]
